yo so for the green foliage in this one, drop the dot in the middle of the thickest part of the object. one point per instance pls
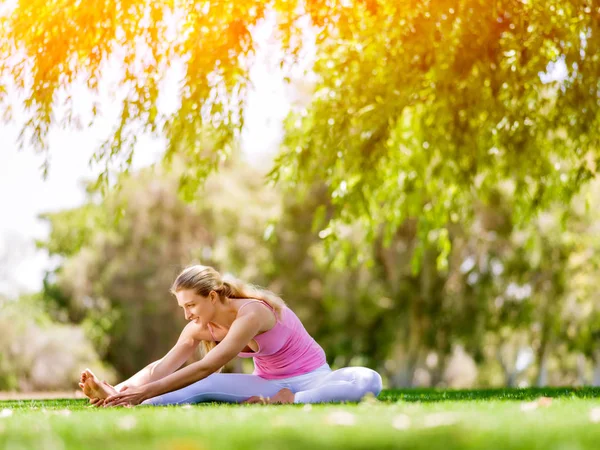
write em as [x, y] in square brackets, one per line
[116, 275]
[73, 229]
[419, 108]
[428, 183]
[38, 354]
[360, 299]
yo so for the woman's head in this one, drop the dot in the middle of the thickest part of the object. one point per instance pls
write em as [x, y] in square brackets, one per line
[198, 289]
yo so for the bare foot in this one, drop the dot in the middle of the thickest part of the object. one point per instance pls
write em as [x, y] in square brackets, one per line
[283, 396]
[94, 388]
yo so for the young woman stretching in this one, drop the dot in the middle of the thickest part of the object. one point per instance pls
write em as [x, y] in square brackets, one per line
[230, 318]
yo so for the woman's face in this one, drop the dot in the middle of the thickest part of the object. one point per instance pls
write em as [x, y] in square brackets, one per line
[197, 308]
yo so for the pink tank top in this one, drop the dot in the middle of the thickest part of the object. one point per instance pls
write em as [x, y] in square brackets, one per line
[286, 350]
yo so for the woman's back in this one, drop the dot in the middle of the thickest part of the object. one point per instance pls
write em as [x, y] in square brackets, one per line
[286, 350]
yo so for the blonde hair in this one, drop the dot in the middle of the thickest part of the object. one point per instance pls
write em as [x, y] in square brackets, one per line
[204, 279]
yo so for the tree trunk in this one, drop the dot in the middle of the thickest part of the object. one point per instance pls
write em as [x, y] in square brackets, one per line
[542, 376]
[581, 363]
[437, 373]
[510, 372]
[511, 379]
[596, 376]
[403, 378]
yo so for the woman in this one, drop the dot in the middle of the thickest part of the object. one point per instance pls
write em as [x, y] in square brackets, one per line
[230, 318]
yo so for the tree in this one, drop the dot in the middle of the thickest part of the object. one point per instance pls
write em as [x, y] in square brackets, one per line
[115, 275]
[39, 354]
[505, 288]
[417, 104]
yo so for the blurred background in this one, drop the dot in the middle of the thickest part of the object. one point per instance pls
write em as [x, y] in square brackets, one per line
[416, 180]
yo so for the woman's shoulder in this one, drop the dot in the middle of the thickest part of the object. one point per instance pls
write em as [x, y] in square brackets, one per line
[260, 309]
[252, 304]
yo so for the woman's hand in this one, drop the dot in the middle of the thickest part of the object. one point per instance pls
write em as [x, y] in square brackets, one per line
[128, 396]
[97, 402]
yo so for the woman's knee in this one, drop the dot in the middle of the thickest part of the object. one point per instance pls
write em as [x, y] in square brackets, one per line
[369, 381]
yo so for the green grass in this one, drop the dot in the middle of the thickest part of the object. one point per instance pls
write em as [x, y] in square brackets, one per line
[423, 419]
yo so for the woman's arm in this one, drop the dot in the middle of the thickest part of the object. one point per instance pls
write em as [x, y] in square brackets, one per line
[140, 378]
[173, 360]
[243, 329]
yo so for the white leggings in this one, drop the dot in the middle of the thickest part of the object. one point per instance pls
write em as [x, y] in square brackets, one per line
[320, 385]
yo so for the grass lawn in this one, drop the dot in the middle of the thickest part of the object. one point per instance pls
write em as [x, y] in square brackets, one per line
[419, 419]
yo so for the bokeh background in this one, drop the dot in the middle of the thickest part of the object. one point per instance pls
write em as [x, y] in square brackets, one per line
[416, 179]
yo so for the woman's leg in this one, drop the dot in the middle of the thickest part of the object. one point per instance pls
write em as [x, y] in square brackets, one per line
[347, 384]
[219, 387]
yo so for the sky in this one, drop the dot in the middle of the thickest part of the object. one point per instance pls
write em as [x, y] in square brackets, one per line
[24, 194]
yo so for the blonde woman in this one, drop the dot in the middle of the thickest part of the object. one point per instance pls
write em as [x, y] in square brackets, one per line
[229, 319]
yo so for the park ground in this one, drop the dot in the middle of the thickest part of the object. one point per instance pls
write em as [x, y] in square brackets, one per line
[552, 418]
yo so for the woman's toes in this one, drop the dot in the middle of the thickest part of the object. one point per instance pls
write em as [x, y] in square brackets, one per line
[86, 390]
